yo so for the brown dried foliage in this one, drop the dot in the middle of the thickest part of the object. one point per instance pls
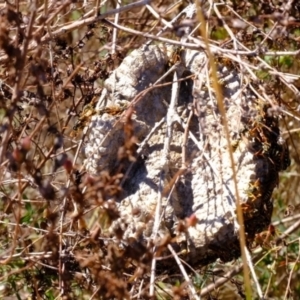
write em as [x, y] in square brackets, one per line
[55, 219]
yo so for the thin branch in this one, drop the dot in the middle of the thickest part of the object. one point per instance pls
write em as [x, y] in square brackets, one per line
[221, 107]
[164, 169]
[288, 288]
[184, 273]
[115, 31]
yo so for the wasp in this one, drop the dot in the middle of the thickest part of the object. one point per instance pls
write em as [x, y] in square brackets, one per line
[174, 56]
[265, 238]
[289, 210]
[248, 210]
[113, 110]
[85, 116]
[226, 61]
[235, 144]
[87, 112]
[254, 190]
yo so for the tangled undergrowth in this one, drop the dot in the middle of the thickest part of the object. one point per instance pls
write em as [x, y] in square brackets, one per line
[55, 218]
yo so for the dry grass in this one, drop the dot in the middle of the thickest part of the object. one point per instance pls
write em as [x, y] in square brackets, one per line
[54, 218]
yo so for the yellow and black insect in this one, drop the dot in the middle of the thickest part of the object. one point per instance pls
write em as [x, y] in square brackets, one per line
[113, 110]
[226, 61]
[235, 144]
[89, 111]
[85, 116]
[254, 190]
[174, 56]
